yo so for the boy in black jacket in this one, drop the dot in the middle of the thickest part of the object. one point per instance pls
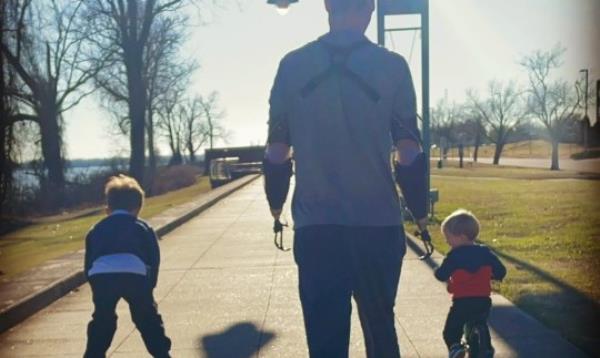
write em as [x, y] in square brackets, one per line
[468, 269]
[121, 261]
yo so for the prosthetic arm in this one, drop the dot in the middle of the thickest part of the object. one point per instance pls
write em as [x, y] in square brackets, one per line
[277, 169]
[411, 176]
[277, 182]
[412, 180]
[277, 185]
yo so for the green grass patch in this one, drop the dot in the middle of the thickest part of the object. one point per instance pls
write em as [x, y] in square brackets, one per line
[590, 154]
[524, 149]
[547, 234]
[482, 170]
[32, 245]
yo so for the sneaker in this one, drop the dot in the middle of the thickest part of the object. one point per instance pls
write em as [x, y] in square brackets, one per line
[488, 353]
[457, 351]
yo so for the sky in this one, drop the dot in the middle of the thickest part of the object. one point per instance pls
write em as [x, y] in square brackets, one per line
[239, 44]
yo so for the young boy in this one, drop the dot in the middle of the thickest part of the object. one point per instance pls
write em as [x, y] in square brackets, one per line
[121, 261]
[468, 269]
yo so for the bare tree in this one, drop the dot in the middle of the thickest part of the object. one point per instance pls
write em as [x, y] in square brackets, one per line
[444, 117]
[213, 115]
[195, 128]
[165, 72]
[171, 125]
[48, 59]
[124, 28]
[551, 101]
[8, 28]
[502, 111]
[476, 130]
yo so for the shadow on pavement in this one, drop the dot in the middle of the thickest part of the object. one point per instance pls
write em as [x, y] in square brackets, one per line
[241, 340]
[566, 309]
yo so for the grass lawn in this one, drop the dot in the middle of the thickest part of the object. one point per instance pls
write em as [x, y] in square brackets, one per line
[546, 232]
[36, 243]
[524, 149]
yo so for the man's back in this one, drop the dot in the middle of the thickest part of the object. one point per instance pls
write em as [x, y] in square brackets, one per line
[340, 129]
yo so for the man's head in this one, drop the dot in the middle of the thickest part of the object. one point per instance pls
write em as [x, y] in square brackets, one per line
[350, 14]
[460, 228]
[124, 193]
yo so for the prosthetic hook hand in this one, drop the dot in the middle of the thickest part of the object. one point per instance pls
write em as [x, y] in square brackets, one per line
[277, 186]
[412, 180]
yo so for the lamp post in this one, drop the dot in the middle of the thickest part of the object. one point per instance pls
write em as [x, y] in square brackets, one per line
[283, 6]
[586, 118]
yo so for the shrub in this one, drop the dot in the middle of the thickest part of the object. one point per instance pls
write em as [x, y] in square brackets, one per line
[594, 153]
[173, 178]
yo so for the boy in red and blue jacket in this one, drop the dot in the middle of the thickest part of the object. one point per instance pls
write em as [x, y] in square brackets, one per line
[468, 268]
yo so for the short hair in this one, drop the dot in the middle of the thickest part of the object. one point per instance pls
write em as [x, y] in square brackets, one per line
[342, 6]
[462, 222]
[123, 193]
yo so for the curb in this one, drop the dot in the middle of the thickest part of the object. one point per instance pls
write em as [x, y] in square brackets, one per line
[31, 304]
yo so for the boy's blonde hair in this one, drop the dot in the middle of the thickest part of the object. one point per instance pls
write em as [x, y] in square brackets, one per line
[461, 222]
[123, 193]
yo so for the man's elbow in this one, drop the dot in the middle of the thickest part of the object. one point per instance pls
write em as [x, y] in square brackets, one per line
[277, 153]
[408, 150]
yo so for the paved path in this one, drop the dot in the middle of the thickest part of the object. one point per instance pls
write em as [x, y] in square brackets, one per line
[584, 165]
[225, 291]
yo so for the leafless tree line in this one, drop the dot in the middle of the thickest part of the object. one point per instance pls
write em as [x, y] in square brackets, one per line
[506, 107]
[54, 53]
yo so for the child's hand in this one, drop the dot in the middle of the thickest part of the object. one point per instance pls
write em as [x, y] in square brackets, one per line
[450, 286]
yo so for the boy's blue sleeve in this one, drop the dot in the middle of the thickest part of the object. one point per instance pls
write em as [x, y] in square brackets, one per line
[87, 261]
[444, 272]
[498, 269]
[153, 254]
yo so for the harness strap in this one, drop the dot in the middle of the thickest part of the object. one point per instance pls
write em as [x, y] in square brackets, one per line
[338, 57]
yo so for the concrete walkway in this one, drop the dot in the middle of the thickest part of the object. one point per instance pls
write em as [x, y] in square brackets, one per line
[225, 291]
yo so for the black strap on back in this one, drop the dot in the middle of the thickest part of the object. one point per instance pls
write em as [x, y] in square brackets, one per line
[338, 66]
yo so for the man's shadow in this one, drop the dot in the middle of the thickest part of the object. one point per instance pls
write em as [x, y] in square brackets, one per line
[241, 340]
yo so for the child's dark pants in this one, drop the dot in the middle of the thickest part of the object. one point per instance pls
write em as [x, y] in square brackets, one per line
[465, 310]
[336, 263]
[107, 290]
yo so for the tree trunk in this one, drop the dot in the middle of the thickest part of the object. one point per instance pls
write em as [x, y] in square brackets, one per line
[554, 165]
[151, 153]
[176, 158]
[137, 111]
[51, 141]
[476, 145]
[5, 168]
[210, 130]
[498, 152]
[191, 151]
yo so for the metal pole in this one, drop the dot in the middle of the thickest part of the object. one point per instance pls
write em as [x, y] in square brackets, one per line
[380, 24]
[597, 101]
[425, 90]
[586, 119]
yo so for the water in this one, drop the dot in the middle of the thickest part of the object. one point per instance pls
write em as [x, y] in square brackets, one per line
[25, 177]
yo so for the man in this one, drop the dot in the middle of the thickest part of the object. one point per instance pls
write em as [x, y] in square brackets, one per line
[341, 103]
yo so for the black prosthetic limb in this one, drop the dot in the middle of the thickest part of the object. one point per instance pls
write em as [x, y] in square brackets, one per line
[412, 180]
[277, 186]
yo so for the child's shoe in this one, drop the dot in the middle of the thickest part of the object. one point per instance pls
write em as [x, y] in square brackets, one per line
[488, 353]
[457, 351]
